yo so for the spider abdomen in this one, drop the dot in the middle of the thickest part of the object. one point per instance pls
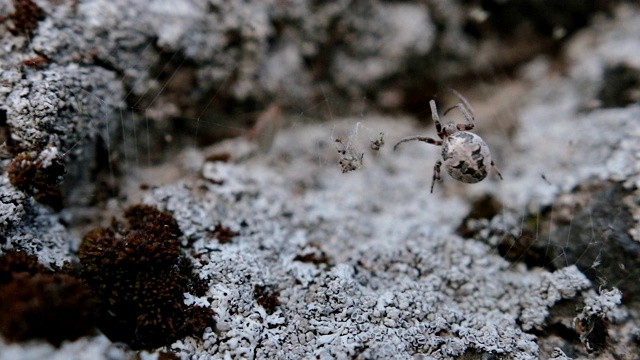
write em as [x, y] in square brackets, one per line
[466, 156]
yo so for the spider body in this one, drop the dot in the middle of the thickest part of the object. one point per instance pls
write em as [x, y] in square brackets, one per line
[465, 156]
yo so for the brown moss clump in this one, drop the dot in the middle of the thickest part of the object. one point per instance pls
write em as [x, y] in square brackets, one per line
[45, 306]
[25, 17]
[138, 277]
[36, 178]
[163, 355]
[198, 319]
[267, 297]
[12, 262]
[222, 233]
[314, 255]
[36, 304]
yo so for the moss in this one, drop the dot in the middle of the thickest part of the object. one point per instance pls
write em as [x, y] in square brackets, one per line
[47, 306]
[12, 262]
[36, 63]
[163, 355]
[198, 319]
[266, 297]
[30, 175]
[314, 255]
[25, 17]
[36, 304]
[138, 277]
[222, 233]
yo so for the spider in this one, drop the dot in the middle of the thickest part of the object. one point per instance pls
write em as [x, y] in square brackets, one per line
[466, 156]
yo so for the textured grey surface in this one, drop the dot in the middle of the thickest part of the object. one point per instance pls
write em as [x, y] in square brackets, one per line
[98, 347]
[391, 278]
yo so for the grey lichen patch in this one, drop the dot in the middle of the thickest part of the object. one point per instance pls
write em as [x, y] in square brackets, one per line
[256, 50]
[567, 114]
[12, 202]
[61, 105]
[98, 347]
[388, 293]
[561, 284]
[404, 31]
[36, 230]
[52, 115]
[558, 354]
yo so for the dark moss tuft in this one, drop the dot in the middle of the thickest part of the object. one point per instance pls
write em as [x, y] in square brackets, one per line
[35, 304]
[163, 355]
[26, 16]
[198, 319]
[314, 255]
[138, 276]
[12, 262]
[29, 174]
[152, 221]
[267, 297]
[22, 171]
[222, 233]
[196, 285]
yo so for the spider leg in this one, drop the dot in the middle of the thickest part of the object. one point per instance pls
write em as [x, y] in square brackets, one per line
[436, 119]
[464, 101]
[436, 174]
[496, 169]
[426, 139]
[468, 115]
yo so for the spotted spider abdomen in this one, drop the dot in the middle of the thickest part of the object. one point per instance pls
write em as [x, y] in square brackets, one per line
[466, 157]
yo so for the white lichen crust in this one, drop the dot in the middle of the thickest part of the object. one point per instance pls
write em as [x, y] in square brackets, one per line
[385, 296]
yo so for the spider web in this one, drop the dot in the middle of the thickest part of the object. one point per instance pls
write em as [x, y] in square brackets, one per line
[586, 228]
[551, 236]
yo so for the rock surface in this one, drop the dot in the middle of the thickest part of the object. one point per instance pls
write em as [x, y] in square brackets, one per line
[314, 262]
